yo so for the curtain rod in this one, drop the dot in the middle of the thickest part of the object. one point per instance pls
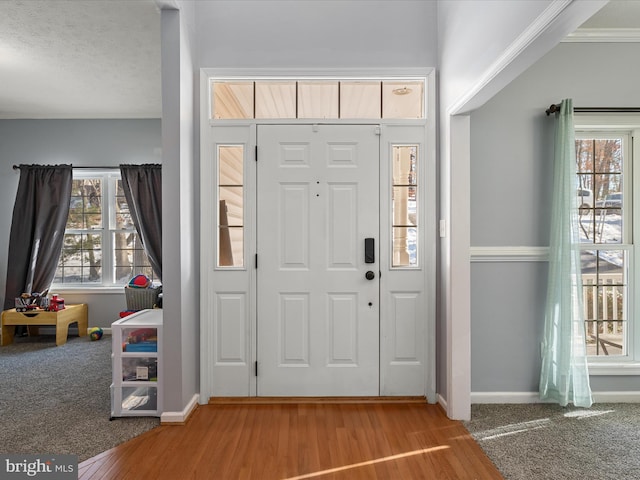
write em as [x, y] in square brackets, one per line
[17, 167]
[555, 107]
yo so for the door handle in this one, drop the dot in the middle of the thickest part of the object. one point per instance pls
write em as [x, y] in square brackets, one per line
[369, 275]
[369, 250]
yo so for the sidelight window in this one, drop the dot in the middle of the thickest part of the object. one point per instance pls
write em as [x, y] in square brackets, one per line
[404, 196]
[230, 161]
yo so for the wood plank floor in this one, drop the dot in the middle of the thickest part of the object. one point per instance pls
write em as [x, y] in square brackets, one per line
[300, 441]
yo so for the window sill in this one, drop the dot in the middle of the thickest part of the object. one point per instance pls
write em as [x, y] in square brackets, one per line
[620, 368]
[67, 290]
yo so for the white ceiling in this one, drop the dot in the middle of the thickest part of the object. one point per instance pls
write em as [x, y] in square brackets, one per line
[101, 58]
[79, 59]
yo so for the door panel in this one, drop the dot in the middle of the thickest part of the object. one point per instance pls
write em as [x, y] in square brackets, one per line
[317, 314]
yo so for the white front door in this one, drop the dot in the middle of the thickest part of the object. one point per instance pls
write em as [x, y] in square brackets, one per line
[317, 305]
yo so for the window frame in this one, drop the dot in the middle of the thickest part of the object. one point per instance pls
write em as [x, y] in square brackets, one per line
[620, 125]
[107, 232]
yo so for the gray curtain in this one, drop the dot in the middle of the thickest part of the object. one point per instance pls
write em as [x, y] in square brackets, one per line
[37, 229]
[142, 185]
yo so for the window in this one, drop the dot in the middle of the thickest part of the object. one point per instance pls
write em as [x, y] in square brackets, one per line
[605, 220]
[318, 98]
[230, 161]
[404, 206]
[101, 247]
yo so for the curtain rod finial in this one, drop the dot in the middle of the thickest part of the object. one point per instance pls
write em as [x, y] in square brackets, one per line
[555, 107]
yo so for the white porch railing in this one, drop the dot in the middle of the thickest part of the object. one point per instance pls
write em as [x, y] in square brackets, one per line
[606, 304]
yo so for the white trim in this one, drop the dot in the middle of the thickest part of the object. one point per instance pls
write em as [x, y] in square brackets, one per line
[603, 35]
[534, 397]
[458, 289]
[616, 397]
[506, 397]
[206, 255]
[431, 247]
[181, 417]
[509, 254]
[512, 52]
[66, 290]
[270, 73]
[442, 401]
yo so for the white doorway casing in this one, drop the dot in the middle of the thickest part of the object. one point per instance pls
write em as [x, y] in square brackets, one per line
[230, 325]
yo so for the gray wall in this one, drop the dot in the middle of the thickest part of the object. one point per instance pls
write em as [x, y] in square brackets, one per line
[341, 34]
[327, 34]
[101, 143]
[511, 154]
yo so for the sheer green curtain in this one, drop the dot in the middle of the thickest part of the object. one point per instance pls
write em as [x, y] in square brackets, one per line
[564, 376]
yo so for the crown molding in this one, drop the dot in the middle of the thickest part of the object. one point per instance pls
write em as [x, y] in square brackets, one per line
[603, 35]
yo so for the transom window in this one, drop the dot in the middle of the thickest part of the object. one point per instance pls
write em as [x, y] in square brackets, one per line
[101, 247]
[317, 99]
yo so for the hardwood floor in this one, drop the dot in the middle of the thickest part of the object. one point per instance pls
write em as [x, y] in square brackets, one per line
[300, 441]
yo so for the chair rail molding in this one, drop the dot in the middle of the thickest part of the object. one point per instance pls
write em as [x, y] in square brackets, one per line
[499, 254]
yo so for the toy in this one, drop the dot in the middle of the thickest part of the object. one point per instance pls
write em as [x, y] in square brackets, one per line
[140, 281]
[142, 335]
[95, 333]
[28, 302]
[56, 303]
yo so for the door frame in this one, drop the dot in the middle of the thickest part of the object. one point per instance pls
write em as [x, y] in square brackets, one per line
[240, 284]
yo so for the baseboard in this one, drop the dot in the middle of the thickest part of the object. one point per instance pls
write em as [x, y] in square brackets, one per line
[505, 397]
[616, 397]
[180, 418]
[51, 330]
[534, 397]
[315, 400]
[442, 401]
